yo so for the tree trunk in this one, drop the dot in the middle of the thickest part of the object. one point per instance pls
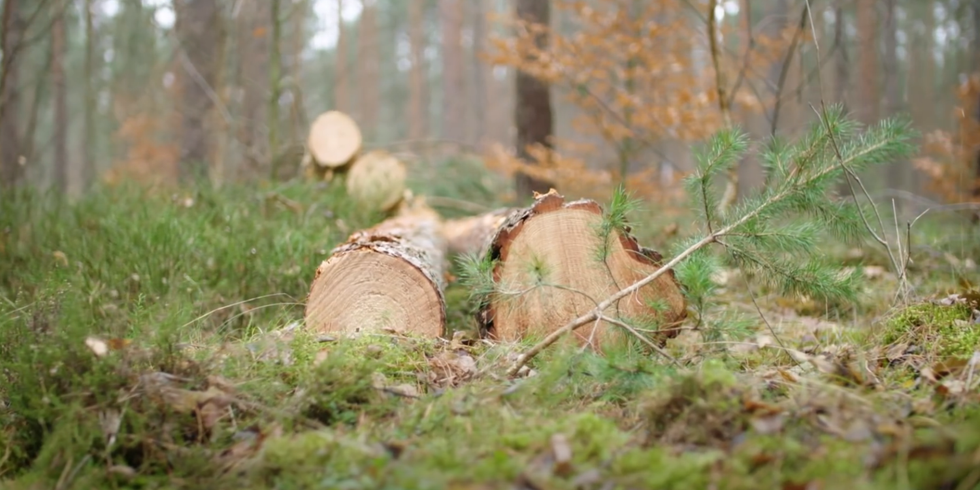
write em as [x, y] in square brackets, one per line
[896, 171]
[841, 61]
[975, 188]
[275, 74]
[253, 45]
[922, 69]
[547, 272]
[11, 170]
[341, 99]
[418, 117]
[453, 121]
[87, 175]
[868, 88]
[478, 122]
[198, 29]
[59, 89]
[976, 66]
[389, 277]
[301, 12]
[368, 79]
[532, 111]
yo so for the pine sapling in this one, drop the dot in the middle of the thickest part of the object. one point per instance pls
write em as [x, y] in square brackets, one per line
[774, 232]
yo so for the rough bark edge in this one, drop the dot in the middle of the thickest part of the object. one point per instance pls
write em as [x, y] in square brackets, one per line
[543, 204]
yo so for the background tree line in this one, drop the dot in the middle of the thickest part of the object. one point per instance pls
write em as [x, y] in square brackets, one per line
[613, 90]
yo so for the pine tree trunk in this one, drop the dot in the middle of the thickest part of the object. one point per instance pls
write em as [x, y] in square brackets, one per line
[418, 117]
[368, 79]
[11, 171]
[341, 96]
[553, 265]
[59, 89]
[253, 65]
[896, 171]
[976, 112]
[478, 121]
[89, 134]
[198, 28]
[453, 120]
[532, 111]
[389, 277]
[300, 14]
[868, 88]
[275, 73]
[841, 62]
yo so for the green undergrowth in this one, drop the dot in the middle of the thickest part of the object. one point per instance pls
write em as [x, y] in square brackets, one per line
[945, 330]
[154, 341]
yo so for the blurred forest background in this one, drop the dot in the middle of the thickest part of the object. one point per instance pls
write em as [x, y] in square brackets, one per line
[97, 92]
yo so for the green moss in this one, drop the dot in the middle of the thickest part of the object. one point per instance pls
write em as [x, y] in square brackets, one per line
[943, 330]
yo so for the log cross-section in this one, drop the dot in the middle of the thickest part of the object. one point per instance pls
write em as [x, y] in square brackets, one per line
[386, 278]
[551, 265]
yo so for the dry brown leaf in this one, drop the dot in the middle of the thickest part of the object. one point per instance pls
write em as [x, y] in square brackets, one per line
[897, 351]
[789, 376]
[562, 452]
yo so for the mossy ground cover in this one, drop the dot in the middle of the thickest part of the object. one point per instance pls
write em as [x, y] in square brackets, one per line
[155, 341]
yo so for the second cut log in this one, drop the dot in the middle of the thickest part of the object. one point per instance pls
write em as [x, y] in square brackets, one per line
[552, 265]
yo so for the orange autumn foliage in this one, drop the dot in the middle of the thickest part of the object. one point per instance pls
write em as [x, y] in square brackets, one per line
[151, 156]
[639, 74]
[949, 159]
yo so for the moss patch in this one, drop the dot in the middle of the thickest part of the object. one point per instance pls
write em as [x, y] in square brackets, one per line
[942, 330]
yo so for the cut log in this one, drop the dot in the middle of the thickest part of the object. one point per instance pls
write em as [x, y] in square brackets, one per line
[376, 180]
[334, 139]
[551, 266]
[471, 235]
[388, 277]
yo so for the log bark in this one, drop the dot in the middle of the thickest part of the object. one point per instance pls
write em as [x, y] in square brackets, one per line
[376, 180]
[551, 266]
[471, 235]
[387, 278]
[334, 139]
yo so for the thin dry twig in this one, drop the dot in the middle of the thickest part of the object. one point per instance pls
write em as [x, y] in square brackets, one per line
[629, 328]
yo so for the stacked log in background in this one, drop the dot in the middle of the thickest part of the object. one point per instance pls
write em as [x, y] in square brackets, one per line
[374, 179]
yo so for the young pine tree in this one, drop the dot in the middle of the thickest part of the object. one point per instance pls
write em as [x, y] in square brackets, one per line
[772, 235]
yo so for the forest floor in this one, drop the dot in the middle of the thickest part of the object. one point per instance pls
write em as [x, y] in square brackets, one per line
[155, 342]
